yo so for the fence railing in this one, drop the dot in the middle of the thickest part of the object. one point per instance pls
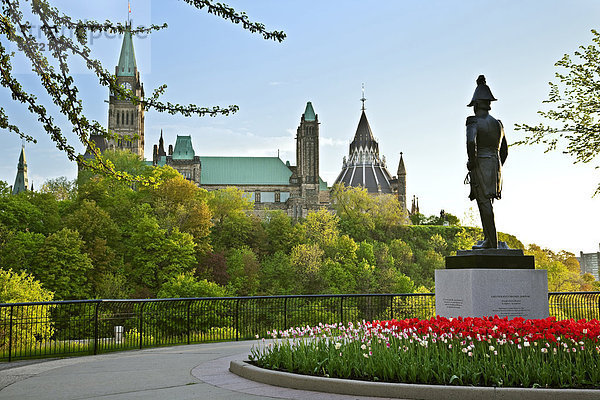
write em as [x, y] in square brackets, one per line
[79, 327]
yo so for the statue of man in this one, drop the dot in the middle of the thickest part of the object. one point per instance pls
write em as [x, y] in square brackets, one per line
[487, 150]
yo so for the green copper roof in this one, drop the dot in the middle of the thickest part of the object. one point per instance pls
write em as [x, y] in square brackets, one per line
[309, 113]
[127, 63]
[183, 148]
[21, 179]
[322, 185]
[244, 171]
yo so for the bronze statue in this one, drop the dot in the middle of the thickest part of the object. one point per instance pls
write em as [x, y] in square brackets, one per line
[487, 150]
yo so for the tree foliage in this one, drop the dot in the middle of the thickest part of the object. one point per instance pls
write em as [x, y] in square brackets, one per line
[575, 116]
[116, 240]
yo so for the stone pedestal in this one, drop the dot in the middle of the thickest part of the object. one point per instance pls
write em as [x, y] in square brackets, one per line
[490, 258]
[479, 292]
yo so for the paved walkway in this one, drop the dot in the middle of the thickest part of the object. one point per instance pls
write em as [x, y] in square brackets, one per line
[175, 373]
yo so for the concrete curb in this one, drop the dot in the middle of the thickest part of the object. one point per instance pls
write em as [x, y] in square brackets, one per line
[402, 390]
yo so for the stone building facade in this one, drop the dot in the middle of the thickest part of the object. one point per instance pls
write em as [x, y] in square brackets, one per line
[268, 181]
[125, 119]
[590, 263]
[271, 183]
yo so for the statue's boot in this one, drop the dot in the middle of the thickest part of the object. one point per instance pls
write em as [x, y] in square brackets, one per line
[484, 244]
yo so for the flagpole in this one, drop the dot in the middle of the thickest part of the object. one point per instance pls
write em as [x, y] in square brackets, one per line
[128, 11]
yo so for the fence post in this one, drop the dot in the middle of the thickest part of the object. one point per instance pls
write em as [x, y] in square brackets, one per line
[342, 309]
[142, 324]
[188, 320]
[237, 310]
[391, 308]
[96, 328]
[285, 326]
[10, 329]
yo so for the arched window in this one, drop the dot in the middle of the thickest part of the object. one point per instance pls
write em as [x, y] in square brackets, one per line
[127, 118]
[118, 122]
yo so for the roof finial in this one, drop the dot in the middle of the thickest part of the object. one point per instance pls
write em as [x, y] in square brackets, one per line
[363, 97]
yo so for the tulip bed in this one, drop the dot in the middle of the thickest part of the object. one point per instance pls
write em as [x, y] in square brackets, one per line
[488, 351]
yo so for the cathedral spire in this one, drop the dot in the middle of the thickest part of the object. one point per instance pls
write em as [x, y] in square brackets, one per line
[21, 180]
[127, 65]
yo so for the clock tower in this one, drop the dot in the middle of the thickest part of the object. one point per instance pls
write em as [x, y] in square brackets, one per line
[125, 119]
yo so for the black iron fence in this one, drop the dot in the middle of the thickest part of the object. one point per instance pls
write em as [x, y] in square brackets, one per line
[62, 328]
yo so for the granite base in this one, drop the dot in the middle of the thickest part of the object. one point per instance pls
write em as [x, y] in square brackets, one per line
[479, 292]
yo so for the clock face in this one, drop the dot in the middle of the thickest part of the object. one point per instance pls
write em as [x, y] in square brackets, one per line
[126, 85]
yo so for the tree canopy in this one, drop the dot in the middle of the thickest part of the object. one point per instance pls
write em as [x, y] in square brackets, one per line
[574, 119]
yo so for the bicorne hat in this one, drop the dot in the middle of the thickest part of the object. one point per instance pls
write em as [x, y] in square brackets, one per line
[482, 92]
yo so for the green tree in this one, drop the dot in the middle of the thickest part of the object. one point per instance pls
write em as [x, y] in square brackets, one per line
[573, 120]
[111, 285]
[59, 85]
[228, 202]
[560, 278]
[62, 266]
[20, 249]
[321, 227]
[362, 215]
[306, 259]
[61, 188]
[243, 269]
[179, 204]
[18, 213]
[232, 226]
[101, 237]
[185, 285]
[282, 234]
[402, 254]
[366, 252]
[21, 287]
[152, 255]
[277, 276]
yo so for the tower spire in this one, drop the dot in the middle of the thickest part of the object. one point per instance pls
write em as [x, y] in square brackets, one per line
[363, 97]
[21, 180]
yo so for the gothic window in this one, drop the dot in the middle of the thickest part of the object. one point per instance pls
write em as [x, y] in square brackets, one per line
[127, 118]
[257, 197]
[123, 117]
[118, 118]
[277, 196]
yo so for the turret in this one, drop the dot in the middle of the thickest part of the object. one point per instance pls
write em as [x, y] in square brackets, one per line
[402, 182]
[21, 181]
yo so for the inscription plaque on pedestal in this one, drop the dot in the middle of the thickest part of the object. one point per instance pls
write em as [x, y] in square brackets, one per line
[488, 292]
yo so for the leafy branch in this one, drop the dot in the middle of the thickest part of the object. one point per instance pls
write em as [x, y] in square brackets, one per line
[576, 100]
[57, 82]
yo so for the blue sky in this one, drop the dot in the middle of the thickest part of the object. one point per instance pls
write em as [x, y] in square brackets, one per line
[418, 61]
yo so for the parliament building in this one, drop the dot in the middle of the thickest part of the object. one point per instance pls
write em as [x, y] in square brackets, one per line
[271, 183]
